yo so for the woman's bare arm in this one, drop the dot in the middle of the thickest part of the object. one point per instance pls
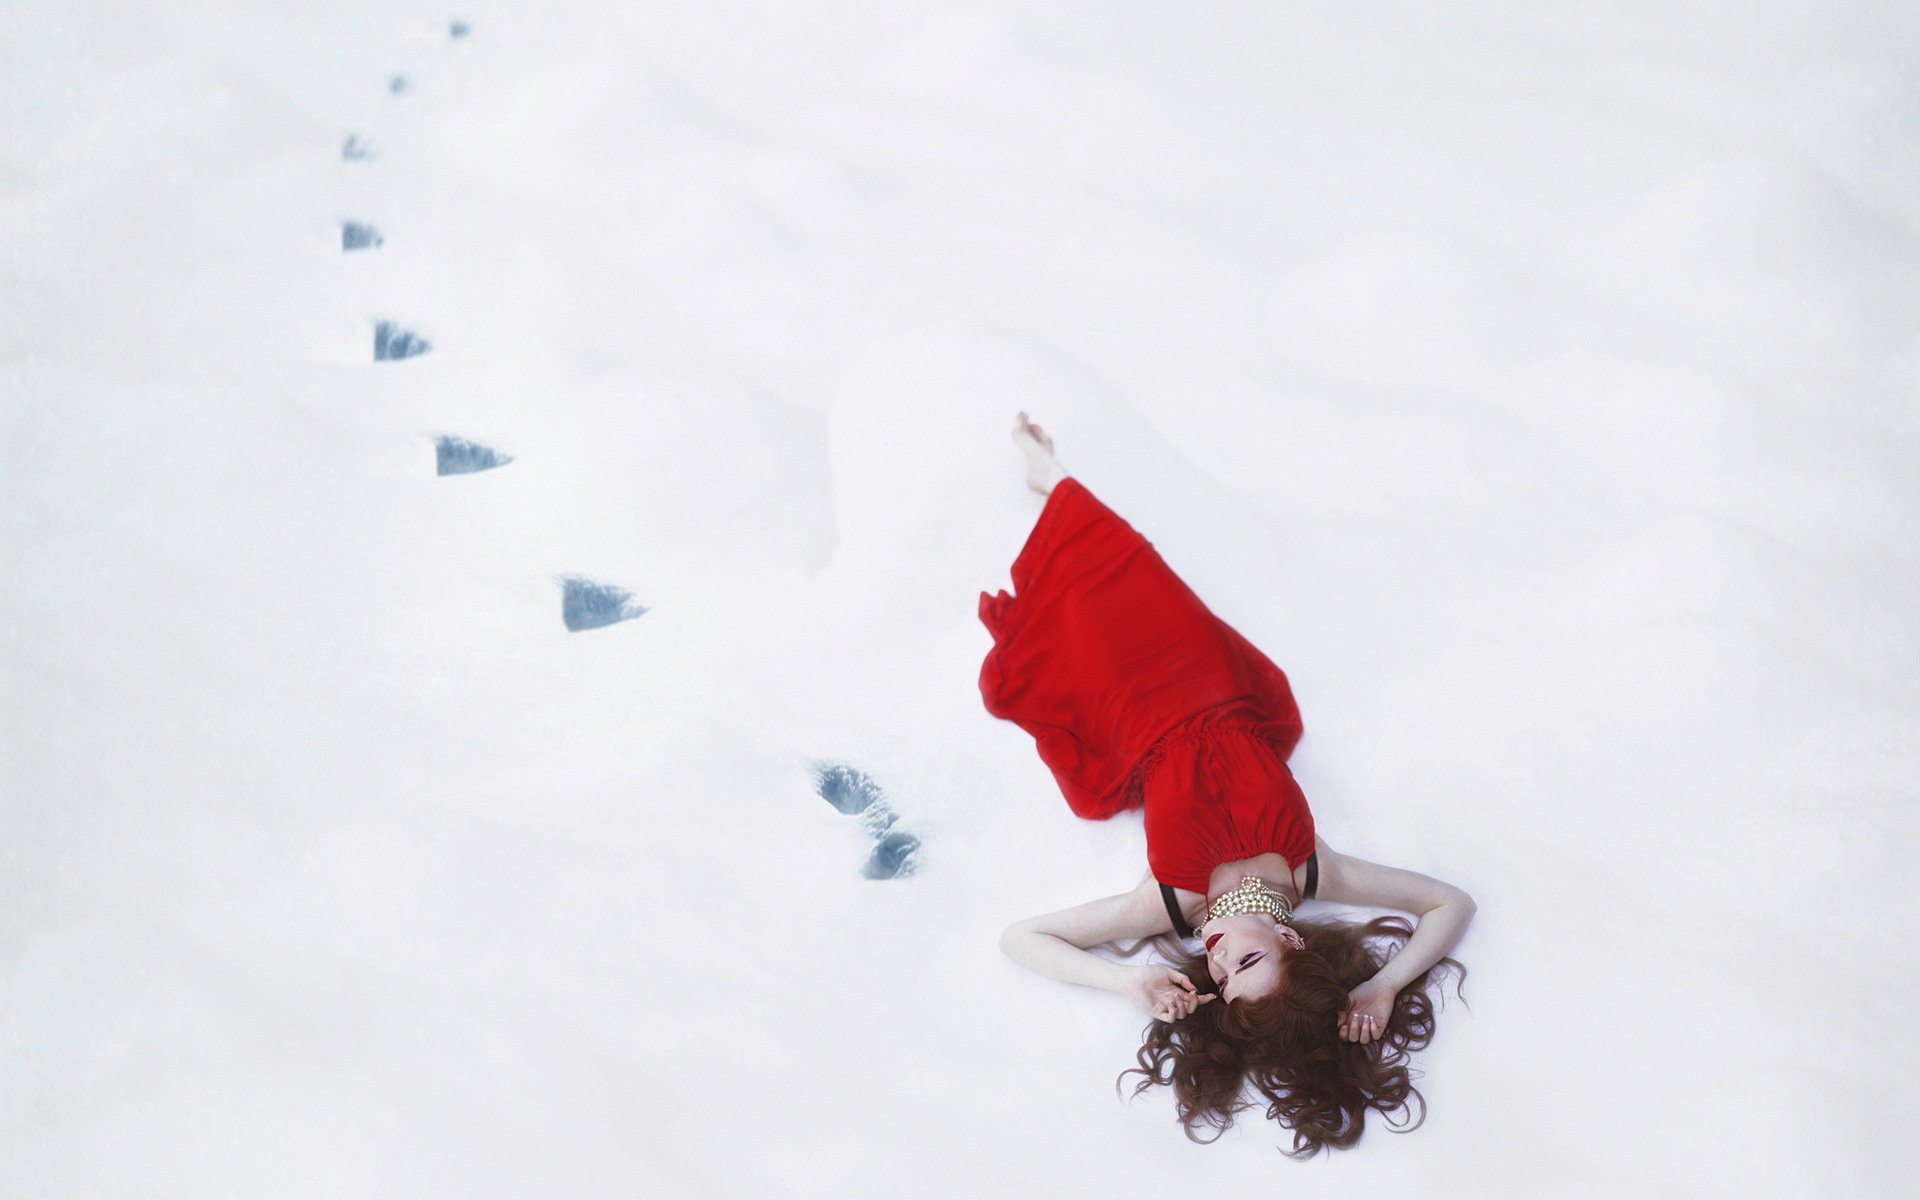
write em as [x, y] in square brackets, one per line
[1055, 943]
[1442, 909]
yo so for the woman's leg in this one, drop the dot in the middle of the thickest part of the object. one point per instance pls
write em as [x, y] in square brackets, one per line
[1043, 470]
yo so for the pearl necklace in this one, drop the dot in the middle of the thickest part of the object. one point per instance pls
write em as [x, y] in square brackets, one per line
[1252, 896]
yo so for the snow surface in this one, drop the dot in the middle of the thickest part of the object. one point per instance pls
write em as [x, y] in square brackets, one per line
[1534, 383]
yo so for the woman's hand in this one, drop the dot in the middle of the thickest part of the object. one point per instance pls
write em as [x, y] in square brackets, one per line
[1369, 1008]
[1164, 992]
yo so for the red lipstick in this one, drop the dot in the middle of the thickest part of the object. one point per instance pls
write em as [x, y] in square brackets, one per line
[1216, 937]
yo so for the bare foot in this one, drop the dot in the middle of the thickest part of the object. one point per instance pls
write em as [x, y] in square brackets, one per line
[1043, 471]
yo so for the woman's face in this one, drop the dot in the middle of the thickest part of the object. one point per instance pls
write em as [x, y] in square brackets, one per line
[1246, 955]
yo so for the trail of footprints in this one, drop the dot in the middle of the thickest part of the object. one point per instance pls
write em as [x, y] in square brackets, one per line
[589, 604]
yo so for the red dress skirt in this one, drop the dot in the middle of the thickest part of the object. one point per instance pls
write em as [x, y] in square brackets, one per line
[1137, 695]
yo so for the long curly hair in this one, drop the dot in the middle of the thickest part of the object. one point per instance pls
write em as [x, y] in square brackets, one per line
[1286, 1046]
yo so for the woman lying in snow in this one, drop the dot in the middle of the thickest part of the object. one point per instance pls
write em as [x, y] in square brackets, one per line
[1138, 696]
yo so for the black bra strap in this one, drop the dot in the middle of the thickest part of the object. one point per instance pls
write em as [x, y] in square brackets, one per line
[1313, 875]
[1173, 910]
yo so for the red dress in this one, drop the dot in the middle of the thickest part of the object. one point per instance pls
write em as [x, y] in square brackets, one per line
[1137, 695]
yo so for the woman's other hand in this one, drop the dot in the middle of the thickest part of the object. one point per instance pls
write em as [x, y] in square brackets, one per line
[1369, 1007]
[1165, 993]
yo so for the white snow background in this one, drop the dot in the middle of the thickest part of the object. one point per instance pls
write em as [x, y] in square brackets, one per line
[1533, 382]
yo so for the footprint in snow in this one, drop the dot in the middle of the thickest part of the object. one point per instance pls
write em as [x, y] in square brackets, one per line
[854, 792]
[355, 236]
[585, 604]
[391, 343]
[458, 456]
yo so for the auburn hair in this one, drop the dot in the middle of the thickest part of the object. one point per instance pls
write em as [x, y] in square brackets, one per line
[1285, 1048]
